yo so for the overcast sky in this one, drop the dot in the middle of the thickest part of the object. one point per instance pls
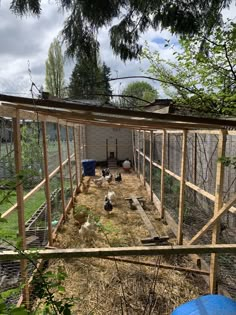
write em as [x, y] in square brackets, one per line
[25, 42]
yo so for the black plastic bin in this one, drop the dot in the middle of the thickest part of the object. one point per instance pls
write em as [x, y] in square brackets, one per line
[89, 167]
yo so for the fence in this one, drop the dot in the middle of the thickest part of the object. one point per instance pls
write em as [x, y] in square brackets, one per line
[46, 156]
[188, 181]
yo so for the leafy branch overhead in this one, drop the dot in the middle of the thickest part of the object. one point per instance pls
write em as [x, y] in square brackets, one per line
[200, 77]
[134, 18]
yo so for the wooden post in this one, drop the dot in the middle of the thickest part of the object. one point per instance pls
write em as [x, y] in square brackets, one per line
[61, 172]
[151, 160]
[139, 153]
[194, 163]
[107, 149]
[69, 161]
[80, 154]
[76, 158]
[182, 187]
[144, 158]
[218, 205]
[116, 149]
[47, 184]
[20, 204]
[134, 150]
[163, 157]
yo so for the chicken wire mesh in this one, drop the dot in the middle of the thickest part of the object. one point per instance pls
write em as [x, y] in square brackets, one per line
[201, 161]
[35, 207]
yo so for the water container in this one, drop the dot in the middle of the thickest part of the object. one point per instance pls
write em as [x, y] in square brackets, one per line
[207, 305]
[89, 167]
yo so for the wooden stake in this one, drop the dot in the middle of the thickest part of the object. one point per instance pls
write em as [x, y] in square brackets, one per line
[218, 205]
[69, 161]
[182, 187]
[47, 184]
[144, 159]
[163, 157]
[20, 204]
[76, 158]
[61, 171]
[151, 160]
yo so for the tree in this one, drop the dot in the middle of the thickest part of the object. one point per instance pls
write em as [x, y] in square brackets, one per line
[90, 80]
[142, 91]
[202, 79]
[134, 17]
[55, 70]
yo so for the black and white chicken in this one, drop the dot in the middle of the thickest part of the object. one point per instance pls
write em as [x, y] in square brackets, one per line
[118, 178]
[107, 205]
[108, 178]
[105, 172]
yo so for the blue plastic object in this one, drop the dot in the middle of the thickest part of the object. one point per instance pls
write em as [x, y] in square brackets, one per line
[207, 305]
[89, 167]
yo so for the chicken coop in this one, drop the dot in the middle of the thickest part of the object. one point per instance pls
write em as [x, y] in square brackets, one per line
[183, 182]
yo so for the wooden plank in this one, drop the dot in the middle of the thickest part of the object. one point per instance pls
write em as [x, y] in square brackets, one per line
[69, 160]
[61, 171]
[163, 158]
[20, 203]
[213, 220]
[182, 189]
[139, 153]
[145, 218]
[121, 251]
[217, 207]
[47, 183]
[163, 266]
[150, 167]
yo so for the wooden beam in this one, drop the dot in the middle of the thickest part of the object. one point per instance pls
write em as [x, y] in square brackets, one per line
[150, 167]
[144, 160]
[182, 189]
[20, 203]
[163, 161]
[213, 220]
[145, 218]
[47, 183]
[120, 251]
[69, 161]
[163, 266]
[80, 154]
[218, 205]
[61, 171]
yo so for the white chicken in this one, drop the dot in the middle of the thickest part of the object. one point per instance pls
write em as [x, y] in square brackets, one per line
[98, 182]
[87, 230]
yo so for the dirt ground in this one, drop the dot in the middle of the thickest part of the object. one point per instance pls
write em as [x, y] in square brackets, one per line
[103, 286]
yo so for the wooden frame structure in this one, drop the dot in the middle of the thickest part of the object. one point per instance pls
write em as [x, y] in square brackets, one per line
[74, 115]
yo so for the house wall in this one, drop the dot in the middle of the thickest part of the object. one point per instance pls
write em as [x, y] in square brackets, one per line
[96, 138]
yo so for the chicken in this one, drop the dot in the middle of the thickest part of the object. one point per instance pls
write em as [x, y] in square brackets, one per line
[98, 182]
[105, 172]
[107, 205]
[118, 178]
[87, 230]
[111, 196]
[108, 178]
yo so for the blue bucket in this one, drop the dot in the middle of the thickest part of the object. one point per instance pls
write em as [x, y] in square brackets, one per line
[89, 167]
[207, 305]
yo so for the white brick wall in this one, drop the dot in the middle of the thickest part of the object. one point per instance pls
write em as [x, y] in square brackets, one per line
[96, 142]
